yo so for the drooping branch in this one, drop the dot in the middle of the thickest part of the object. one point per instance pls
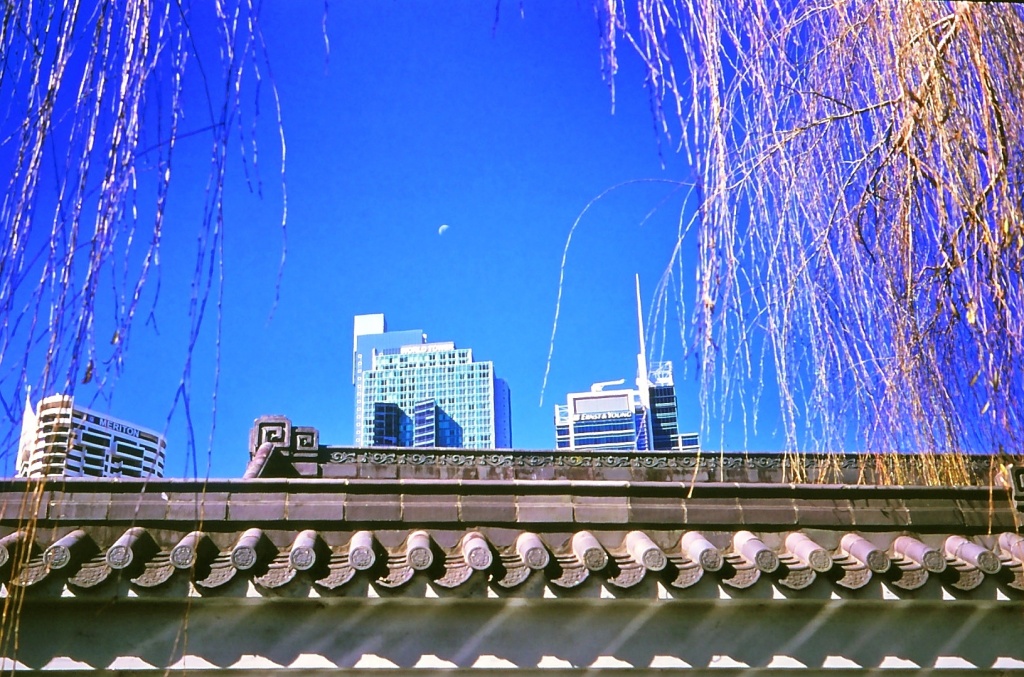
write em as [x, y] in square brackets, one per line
[862, 169]
[95, 97]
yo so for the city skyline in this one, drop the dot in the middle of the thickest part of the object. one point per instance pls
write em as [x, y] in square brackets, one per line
[494, 136]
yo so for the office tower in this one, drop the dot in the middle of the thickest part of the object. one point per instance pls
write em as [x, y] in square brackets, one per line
[410, 393]
[641, 419]
[61, 439]
[602, 420]
[664, 409]
[371, 335]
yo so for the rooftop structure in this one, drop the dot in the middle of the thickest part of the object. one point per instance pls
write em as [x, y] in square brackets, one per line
[426, 395]
[59, 438]
[729, 568]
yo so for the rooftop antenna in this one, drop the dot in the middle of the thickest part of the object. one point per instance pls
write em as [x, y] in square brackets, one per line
[642, 380]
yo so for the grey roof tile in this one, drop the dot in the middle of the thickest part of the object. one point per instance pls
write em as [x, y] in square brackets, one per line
[544, 508]
[601, 509]
[257, 508]
[656, 510]
[473, 556]
[368, 508]
[315, 507]
[497, 508]
[430, 508]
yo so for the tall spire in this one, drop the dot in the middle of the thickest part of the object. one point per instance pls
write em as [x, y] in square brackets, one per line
[642, 380]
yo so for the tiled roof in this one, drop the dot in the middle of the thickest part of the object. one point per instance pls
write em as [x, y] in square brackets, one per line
[331, 536]
[84, 559]
[328, 535]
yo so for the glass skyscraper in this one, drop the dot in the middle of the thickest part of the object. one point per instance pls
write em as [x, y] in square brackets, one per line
[410, 393]
[602, 420]
[371, 335]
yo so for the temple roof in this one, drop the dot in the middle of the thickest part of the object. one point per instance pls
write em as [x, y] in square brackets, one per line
[506, 537]
[322, 521]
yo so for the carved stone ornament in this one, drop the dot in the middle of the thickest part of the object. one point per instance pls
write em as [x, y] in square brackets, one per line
[688, 462]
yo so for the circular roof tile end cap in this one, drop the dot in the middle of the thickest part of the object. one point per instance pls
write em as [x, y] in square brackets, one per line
[866, 553]
[645, 552]
[361, 555]
[183, 556]
[420, 558]
[537, 558]
[532, 550]
[588, 551]
[929, 558]
[989, 562]
[755, 551]
[243, 557]
[654, 559]
[20, 537]
[933, 562]
[595, 559]
[701, 551]
[809, 552]
[767, 561]
[878, 561]
[710, 559]
[819, 560]
[418, 552]
[479, 558]
[302, 555]
[119, 556]
[302, 558]
[476, 552]
[974, 554]
[57, 556]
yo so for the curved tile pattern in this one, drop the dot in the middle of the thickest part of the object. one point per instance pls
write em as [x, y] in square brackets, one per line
[156, 571]
[792, 561]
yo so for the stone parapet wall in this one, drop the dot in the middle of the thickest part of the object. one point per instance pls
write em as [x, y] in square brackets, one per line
[292, 451]
[547, 505]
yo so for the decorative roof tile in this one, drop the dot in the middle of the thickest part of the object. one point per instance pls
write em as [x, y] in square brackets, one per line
[903, 561]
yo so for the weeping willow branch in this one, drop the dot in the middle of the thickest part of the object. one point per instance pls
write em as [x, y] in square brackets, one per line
[95, 95]
[862, 172]
[94, 98]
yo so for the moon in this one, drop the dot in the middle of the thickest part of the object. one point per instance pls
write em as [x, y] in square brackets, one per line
[442, 229]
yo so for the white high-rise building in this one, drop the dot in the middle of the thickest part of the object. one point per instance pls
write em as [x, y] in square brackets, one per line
[60, 439]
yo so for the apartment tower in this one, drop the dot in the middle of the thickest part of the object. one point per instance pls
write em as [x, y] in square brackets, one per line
[59, 438]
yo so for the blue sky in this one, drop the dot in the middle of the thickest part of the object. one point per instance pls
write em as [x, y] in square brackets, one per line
[419, 117]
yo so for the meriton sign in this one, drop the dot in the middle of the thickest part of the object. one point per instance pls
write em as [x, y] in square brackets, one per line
[115, 426]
